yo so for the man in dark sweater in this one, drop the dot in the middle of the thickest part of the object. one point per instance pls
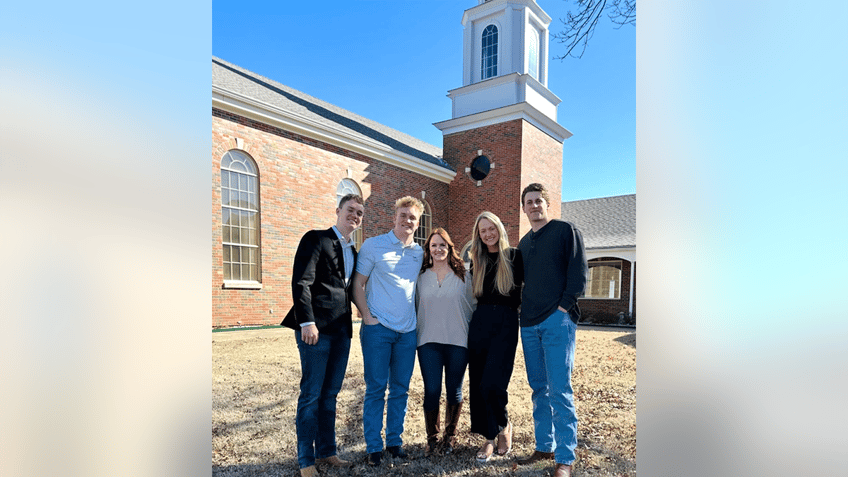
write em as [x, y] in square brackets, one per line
[555, 273]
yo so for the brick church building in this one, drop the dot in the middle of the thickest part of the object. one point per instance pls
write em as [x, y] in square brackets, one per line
[608, 225]
[281, 159]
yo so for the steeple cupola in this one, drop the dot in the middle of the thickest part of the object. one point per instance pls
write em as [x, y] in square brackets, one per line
[503, 133]
[504, 68]
[502, 37]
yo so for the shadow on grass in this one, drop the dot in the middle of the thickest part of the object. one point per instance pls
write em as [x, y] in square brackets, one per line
[461, 463]
[629, 340]
[253, 426]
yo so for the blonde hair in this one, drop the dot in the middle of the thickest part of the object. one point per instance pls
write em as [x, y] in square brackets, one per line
[504, 282]
[409, 201]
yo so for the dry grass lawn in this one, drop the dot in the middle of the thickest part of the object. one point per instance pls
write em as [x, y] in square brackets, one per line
[255, 376]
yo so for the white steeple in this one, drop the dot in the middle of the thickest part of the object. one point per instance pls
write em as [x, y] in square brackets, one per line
[519, 31]
[504, 69]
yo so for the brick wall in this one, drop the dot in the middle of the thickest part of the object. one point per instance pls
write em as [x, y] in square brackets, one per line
[542, 163]
[521, 154]
[498, 192]
[298, 177]
[597, 310]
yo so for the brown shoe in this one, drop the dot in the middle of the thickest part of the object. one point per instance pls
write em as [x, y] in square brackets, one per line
[562, 470]
[333, 461]
[308, 471]
[536, 456]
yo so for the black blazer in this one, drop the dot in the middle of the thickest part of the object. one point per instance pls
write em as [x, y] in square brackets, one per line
[318, 284]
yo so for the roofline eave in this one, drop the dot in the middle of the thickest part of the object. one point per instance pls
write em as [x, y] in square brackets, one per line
[246, 106]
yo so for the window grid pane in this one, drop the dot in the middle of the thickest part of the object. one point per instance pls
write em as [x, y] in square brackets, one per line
[424, 226]
[345, 187]
[239, 217]
[604, 280]
[242, 263]
[534, 55]
[358, 238]
[489, 56]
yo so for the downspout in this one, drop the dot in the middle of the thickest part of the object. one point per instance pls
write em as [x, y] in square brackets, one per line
[632, 286]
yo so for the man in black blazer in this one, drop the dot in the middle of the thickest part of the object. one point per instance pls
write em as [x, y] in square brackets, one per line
[321, 318]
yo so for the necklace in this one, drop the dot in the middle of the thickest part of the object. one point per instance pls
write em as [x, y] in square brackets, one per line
[441, 274]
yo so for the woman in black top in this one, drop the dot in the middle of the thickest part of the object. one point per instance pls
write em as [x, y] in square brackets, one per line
[498, 273]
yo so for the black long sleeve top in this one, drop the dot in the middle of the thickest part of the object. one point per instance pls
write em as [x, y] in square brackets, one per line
[491, 296]
[555, 271]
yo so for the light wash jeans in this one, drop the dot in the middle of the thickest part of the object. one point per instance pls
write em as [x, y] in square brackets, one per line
[388, 358]
[549, 358]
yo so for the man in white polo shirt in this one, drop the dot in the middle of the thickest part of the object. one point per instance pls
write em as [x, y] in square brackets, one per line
[384, 292]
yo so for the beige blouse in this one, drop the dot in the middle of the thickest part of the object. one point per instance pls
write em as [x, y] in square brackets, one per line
[444, 311]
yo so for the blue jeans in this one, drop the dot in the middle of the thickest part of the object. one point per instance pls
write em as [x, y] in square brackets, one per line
[432, 359]
[388, 358]
[322, 367]
[549, 358]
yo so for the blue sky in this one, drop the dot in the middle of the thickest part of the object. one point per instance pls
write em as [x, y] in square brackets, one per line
[394, 62]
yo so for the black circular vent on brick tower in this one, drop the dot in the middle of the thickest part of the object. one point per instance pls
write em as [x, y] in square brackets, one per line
[480, 168]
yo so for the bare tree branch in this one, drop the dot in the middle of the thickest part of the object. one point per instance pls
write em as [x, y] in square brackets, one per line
[579, 27]
[624, 13]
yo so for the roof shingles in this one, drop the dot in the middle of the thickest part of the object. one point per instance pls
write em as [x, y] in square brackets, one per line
[239, 80]
[606, 222]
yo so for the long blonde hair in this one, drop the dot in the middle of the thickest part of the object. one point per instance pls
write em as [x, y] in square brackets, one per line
[504, 282]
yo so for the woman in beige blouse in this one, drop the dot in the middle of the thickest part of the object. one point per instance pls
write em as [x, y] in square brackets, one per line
[445, 301]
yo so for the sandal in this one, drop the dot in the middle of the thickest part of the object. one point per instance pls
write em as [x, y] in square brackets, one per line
[485, 452]
[505, 440]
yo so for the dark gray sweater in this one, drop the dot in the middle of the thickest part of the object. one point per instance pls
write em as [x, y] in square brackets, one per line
[555, 271]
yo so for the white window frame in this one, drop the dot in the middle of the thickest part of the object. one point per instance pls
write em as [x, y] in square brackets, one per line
[490, 71]
[345, 187]
[252, 176]
[425, 225]
[617, 283]
[533, 53]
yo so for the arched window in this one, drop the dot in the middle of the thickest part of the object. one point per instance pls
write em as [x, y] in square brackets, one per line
[465, 255]
[533, 53]
[425, 224]
[604, 280]
[489, 58]
[345, 187]
[240, 216]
